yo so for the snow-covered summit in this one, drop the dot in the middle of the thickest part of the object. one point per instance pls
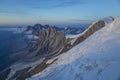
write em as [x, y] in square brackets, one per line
[108, 19]
[96, 58]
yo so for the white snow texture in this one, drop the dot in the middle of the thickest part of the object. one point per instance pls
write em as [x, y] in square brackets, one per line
[96, 58]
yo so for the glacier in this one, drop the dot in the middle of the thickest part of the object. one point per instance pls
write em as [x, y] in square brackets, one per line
[96, 58]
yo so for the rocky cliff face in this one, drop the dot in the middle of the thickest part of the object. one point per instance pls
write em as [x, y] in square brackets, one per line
[93, 28]
[98, 25]
[49, 43]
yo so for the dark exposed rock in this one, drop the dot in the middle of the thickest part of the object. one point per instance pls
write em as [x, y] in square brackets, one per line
[49, 43]
[26, 73]
[111, 18]
[108, 20]
[87, 33]
[98, 25]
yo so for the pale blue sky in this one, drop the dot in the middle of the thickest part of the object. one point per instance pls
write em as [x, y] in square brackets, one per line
[19, 12]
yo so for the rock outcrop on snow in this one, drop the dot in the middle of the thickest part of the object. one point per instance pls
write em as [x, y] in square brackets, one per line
[91, 29]
[50, 42]
[98, 25]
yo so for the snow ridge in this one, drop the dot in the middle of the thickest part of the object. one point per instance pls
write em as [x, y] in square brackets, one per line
[93, 59]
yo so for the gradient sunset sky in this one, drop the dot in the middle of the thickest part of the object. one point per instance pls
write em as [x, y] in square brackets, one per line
[21, 12]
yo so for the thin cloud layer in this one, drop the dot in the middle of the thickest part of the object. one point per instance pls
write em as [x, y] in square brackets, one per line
[58, 3]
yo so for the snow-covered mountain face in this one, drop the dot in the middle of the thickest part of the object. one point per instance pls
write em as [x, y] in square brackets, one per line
[43, 47]
[96, 58]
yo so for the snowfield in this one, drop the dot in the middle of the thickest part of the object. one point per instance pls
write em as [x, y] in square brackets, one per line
[96, 58]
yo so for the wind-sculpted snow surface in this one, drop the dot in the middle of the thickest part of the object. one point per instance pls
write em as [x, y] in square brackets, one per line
[96, 58]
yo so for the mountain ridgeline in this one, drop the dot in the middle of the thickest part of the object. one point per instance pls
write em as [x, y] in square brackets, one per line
[43, 43]
[49, 42]
[65, 30]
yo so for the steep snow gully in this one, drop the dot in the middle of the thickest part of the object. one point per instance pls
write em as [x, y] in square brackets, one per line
[96, 58]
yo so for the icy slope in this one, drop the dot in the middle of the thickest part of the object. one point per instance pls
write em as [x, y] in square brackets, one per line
[96, 58]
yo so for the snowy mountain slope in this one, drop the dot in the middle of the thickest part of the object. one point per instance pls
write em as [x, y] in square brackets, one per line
[96, 58]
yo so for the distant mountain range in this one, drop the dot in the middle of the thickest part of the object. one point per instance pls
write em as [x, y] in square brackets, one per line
[66, 30]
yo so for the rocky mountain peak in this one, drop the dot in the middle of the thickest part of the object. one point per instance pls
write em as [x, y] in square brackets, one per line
[50, 42]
